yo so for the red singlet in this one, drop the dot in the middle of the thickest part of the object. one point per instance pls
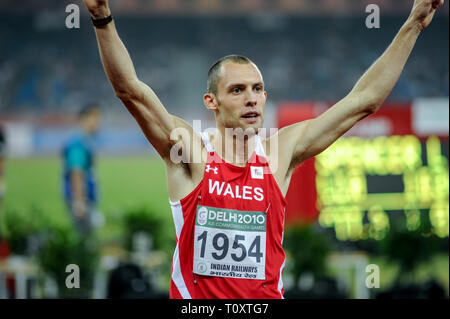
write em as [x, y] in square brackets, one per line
[229, 232]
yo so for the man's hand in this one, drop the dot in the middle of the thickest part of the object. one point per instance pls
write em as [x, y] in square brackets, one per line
[79, 207]
[98, 8]
[423, 11]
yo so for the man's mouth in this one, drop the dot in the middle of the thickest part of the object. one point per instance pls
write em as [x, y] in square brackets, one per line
[251, 115]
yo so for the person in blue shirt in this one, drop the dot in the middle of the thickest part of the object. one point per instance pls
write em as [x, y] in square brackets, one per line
[2, 177]
[80, 185]
[2, 161]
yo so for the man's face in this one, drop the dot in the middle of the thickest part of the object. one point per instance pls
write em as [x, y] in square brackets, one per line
[91, 121]
[240, 96]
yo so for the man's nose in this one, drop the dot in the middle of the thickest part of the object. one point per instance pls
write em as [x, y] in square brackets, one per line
[250, 99]
[250, 103]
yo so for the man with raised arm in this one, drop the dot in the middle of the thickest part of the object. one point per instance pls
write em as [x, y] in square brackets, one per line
[228, 195]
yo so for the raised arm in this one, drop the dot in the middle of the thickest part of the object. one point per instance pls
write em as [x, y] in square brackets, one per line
[309, 138]
[139, 99]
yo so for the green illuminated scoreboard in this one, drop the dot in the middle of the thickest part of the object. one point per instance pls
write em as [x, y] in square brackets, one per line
[392, 167]
[360, 181]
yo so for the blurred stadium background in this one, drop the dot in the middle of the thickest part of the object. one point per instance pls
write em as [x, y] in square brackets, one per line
[378, 196]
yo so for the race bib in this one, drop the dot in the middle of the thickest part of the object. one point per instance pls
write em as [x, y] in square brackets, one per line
[230, 243]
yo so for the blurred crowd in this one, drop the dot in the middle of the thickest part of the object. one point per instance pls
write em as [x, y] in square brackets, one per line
[222, 6]
[45, 67]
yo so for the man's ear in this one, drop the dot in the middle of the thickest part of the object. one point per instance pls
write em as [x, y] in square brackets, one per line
[210, 101]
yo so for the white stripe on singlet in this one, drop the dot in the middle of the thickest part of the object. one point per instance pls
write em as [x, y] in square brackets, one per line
[177, 276]
[259, 149]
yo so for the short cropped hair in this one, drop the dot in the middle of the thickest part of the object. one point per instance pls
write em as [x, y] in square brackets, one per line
[87, 109]
[214, 70]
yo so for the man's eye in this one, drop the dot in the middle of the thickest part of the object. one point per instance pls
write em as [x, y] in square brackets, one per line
[236, 90]
[258, 89]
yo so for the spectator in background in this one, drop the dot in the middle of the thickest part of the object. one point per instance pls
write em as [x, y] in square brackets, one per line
[80, 185]
[2, 164]
[4, 246]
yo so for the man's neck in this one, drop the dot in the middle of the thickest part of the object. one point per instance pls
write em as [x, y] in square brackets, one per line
[234, 148]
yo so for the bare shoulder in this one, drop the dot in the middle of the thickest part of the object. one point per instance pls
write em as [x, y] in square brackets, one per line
[185, 167]
[282, 144]
[280, 149]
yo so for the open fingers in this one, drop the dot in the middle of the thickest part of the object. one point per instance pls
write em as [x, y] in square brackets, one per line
[437, 3]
